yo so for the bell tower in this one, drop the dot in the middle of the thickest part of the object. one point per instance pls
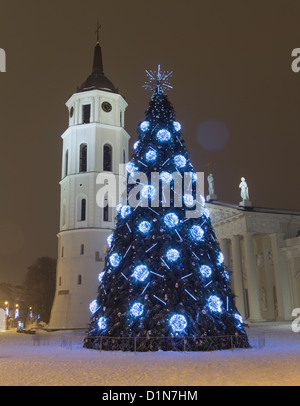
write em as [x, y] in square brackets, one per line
[94, 142]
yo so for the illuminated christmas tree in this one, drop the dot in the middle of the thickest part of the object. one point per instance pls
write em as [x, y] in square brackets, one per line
[164, 272]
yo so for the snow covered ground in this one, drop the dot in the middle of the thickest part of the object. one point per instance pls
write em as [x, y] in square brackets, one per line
[41, 360]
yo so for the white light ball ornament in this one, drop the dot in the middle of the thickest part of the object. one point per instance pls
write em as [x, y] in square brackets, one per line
[178, 323]
[102, 323]
[144, 126]
[215, 304]
[137, 309]
[115, 259]
[205, 271]
[180, 161]
[151, 155]
[93, 306]
[177, 126]
[196, 233]
[144, 227]
[163, 135]
[140, 273]
[148, 191]
[172, 255]
[166, 177]
[171, 220]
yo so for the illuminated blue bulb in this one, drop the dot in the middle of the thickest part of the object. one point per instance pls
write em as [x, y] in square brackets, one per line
[172, 255]
[239, 318]
[215, 303]
[136, 145]
[206, 213]
[137, 309]
[140, 273]
[163, 135]
[194, 177]
[131, 168]
[166, 177]
[125, 211]
[144, 227]
[151, 155]
[115, 259]
[226, 275]
[119, 207]
[171, 220]
[188, 200]
[144, 126]
[100, 276]
[109, 240]
[93, 306]
[148, 191]
[180, 161]
[102, 323]
[205, 271]
[177, 126]
[220, 259]
[196, 233]
[178, 323]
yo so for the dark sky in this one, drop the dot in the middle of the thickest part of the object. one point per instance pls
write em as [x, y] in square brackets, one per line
[232, 79]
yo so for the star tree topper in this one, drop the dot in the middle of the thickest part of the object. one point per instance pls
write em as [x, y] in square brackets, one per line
[158, 79]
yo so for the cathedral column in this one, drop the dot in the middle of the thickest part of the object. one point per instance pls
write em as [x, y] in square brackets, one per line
[269, 283]
[224, 249]
[281, 274]
[237, 274]
[251, 272]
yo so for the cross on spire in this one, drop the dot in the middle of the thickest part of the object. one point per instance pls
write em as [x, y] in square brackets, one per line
[97, 31]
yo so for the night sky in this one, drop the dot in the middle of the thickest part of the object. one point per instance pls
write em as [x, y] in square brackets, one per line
[233, 92]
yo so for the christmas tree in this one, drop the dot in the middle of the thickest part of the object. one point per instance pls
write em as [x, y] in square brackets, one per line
[164, 278]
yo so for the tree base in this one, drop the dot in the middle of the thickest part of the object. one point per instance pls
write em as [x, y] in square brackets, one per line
[183, 344]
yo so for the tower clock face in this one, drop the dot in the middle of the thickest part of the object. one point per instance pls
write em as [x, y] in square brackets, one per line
[106, 106]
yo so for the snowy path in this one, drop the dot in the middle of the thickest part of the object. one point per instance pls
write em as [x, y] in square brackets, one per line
[278, 363]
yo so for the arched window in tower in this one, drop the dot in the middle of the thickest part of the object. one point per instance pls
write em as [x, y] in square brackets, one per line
[124, 156]
[107, 212]
[107, 158]
[83, 210]
[83, 158]
[66, 162]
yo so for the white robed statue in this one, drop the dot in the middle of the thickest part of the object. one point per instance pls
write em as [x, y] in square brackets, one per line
[244, 189]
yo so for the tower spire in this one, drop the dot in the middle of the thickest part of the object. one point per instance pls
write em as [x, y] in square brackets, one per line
[97, 32]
